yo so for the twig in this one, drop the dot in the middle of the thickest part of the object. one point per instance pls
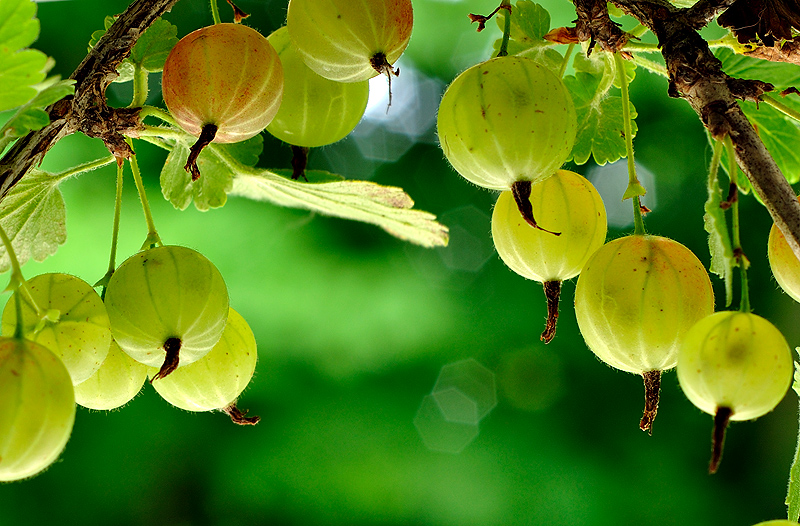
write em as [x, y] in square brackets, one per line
[87, 111]
[696, 75]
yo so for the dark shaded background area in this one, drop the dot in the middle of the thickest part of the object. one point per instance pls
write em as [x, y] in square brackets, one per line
[354, 326]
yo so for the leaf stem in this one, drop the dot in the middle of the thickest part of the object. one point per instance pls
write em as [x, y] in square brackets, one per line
[85, 167]
[215, 12]
[152, 239]
[565, 63]
[506, 5]
[741, 259]
[781, 107]
[719, 239]
[650, 65]
[635, 188]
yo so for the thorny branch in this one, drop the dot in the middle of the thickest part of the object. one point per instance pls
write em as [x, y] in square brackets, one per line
[87, 111]
[696, 75]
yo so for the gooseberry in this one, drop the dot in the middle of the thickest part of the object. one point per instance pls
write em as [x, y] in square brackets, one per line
[217, 379]
[350, 41]
[118, 380]
[315, 111]
[734, 366]
[37, 408]
[567, 203]
[635, 300]
[506, 120]
[784, 264]
[167, 306]
[66, 315]
[222, 83]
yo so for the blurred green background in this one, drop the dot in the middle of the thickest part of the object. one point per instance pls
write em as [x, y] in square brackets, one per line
[354, 327]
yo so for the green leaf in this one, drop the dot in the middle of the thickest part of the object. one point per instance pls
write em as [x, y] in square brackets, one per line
[154, 45]
[150, 50]
[31, 116]
[33, 216]
[19, 71]
[781, 74]
[385, 206]
[246, 152]
[209, 191]
[793, 492]
[601, 128]
[529, 23]
[780, 135]
[19, 27]
[313, 176]
[223, 171]
[719, 239]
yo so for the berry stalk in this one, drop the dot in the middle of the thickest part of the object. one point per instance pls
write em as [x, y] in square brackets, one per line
[635, 189]
[738, 252]
[14, 284]
[112, 260]
[152, 239]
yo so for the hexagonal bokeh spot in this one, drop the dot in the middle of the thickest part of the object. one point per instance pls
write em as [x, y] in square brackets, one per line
[437, 433]
[473, 380]
[456, 406]
[470, 246]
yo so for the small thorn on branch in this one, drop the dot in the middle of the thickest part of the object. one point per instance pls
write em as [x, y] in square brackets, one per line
[481, 19]
[521, 190]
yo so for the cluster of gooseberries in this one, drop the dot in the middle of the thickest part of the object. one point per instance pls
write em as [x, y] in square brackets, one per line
[644, 303]
[165, 313]
[226, 82]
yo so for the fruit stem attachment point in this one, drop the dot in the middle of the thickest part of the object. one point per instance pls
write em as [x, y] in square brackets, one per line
[721, 420]
[521, 190]
[299, 162]
[380, 63]
[552, 291]
[173, 348]
[652, 388]
[240, 417]
[207, 135]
